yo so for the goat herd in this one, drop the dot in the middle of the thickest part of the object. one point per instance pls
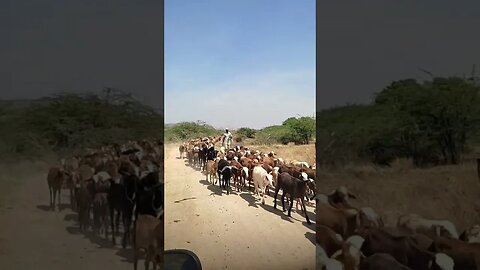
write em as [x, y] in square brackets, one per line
[122, 179]
[247, 168]
[125, 179]
[350, 238]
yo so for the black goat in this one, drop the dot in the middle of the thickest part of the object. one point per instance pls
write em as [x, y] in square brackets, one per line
[149, 199]
[202, 158]
[293, 186]
[211, 153]
[225, 173]
[121, 198]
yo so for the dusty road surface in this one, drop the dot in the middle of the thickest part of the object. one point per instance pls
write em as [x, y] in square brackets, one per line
[231, 231]
[33, 237]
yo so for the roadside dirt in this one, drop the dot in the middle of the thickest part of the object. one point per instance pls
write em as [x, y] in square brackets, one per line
[33, 237]
[444, 192]
[231, 231]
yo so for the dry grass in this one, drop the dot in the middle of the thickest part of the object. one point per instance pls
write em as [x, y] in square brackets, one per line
[289, 152]
[447, 192]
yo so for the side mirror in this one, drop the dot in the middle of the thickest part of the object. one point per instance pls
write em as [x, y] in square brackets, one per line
[181, 259]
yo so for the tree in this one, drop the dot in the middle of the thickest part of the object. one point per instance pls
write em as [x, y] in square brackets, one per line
[434, 118]
[301, 129]
[247, 132]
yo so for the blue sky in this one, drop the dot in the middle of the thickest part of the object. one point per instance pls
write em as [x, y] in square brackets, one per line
[236, 63]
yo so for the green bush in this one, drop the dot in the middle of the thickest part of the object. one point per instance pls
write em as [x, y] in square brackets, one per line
[189, 130]
[300, 130]
[246, 132]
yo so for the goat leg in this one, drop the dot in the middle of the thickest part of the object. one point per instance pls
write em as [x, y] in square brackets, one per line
[305, 210]
[135, 258]
[51, 197]
[275, 199]
[54, 199]
[105, 226]
[117, 222]
[263, 197]
[125, 235]
[227, 185]
[290, 208]
[148, 258]
[112, 215]
[59, 198]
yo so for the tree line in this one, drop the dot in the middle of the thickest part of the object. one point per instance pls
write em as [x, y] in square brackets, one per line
[296, 130]
[65, 122]
[432, 122]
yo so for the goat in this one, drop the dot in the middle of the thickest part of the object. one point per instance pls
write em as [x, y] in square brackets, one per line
[144, 237]
[297, 188]
[261, 180]
[55, 179]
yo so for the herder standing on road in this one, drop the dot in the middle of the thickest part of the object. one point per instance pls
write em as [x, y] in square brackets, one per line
[227, 139]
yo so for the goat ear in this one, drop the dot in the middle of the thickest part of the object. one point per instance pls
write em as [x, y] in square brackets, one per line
[463, 236]
[351, 195]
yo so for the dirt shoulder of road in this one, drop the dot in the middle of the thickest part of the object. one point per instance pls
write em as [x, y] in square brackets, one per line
[33, 237]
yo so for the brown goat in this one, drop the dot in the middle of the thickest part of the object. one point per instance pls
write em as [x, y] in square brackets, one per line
[341, 221]
[145, 239]
[211, 171]
[56, 179]
[328, 239]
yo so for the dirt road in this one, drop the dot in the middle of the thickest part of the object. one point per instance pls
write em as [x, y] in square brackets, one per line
[231, 231]
[33, 237]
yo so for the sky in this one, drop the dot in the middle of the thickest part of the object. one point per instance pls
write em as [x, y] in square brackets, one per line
[56, 46]
[235, 63]
[239, 64]
[365, 45]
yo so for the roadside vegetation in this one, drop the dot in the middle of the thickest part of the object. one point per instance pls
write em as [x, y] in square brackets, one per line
[431, 123]
[66, 123]
[293, 130]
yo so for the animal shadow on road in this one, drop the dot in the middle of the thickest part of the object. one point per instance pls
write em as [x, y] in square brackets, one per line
[99, 240]
[284, 216]
[44, 207]
[216, 190]
[310, 236]
[250, 199]
[47, 208]
[73, 230]
[71, 217]
[126, 254]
